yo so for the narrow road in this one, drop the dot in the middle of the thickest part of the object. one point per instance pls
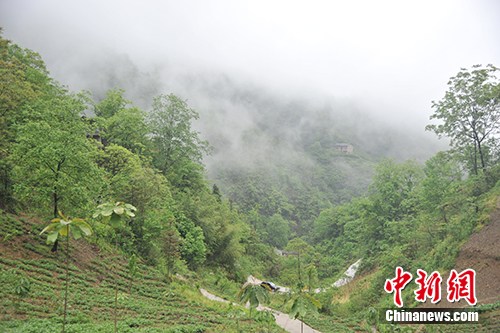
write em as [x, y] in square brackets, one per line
[283, 320]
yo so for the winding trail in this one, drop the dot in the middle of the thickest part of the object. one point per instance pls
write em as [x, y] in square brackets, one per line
[283, 320]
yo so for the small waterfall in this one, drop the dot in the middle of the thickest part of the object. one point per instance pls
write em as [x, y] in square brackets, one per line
[348, 275]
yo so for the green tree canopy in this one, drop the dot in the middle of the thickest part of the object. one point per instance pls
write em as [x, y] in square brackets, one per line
[254, 294]
[470, 115]
[54, 162]
[277, 231]
[176, 142]
[393, 188]
[128, 128]
[23, 79]
[111, 104]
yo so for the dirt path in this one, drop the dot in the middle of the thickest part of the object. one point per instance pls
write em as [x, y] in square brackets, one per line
[283, 320]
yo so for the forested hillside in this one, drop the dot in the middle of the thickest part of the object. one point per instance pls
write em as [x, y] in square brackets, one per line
[133, 184]
[281, 157]
[63, 151]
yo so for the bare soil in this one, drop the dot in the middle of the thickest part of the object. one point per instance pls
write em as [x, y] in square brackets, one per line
[481, 253]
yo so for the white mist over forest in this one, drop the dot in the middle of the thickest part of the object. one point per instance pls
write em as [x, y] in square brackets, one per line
[371, 68]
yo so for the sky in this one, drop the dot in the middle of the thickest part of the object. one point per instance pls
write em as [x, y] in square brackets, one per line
[390, 57]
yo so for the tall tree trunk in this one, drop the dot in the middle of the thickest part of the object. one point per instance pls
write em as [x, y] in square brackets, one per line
[56, 198]
[55, 190]
[67, 279]
[474, 160]
[116, 305]
[115, 319]
[481, 155]
[116, 291]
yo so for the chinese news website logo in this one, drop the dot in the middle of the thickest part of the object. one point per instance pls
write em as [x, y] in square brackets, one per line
[459, 286]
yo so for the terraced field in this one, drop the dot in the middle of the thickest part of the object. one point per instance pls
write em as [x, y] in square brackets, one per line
[146, 305]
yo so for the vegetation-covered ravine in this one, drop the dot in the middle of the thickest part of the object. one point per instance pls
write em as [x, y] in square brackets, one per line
[114, 216]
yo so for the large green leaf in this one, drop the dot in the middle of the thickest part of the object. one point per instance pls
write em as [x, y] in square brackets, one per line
[63, 231]
[86, 229]
[119, 210]
[107, 211]
[113, 213]
[254, 294]
[254, 301]
[303, 304]
[52, 237]
[76, 232]
[130, 207]
[114, 221]
[50, 227]
[61, 226]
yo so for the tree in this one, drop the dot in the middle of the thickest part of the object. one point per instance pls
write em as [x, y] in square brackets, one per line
[177, 144]
[330, 223]
[121, 122]
[128, 129]
[438, 189]
[129, 179]
[111, 104]
[254, 294]
[132, 270]
[393, 189]
[24, 77]
[220, 225]
[303, 251]
[192, 245]
[277, 231]
[54, 162]
[64, 227]
[470, 112]
[216, 193]
[171, 240]
[311, 277]
[302, 304]
[114, 214]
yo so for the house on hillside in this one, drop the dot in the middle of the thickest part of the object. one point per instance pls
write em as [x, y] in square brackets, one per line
[344, 148]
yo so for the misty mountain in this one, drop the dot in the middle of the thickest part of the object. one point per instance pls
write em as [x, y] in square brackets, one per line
[279, 153]
[274, 151]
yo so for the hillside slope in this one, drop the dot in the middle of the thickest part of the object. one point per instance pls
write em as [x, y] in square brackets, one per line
[481, 252]
[145, 304]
